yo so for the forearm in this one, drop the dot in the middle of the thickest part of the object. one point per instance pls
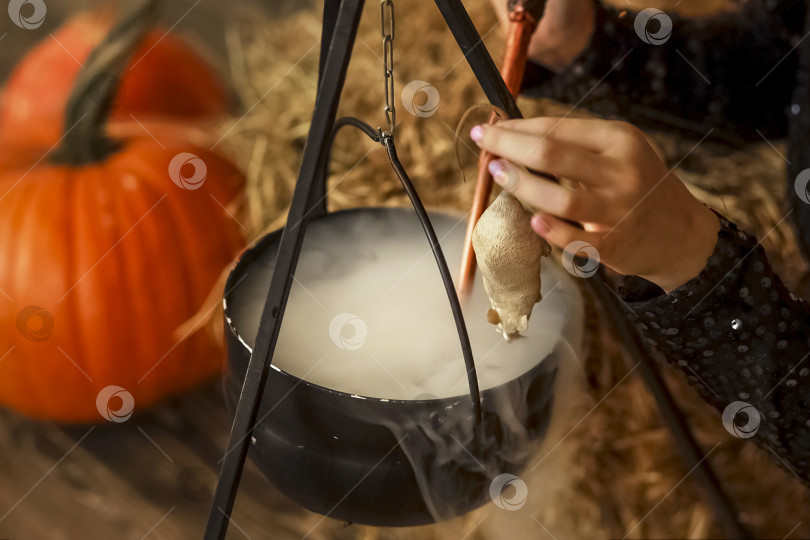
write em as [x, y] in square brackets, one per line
[737, 334]
[710, 73]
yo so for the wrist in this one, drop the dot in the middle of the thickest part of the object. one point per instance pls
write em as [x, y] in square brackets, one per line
[557, 48]
[701, 235]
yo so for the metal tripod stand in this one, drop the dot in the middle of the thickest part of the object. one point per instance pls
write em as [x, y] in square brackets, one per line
[340, 23]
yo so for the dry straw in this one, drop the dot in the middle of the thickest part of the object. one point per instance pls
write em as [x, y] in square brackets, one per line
[615, 470]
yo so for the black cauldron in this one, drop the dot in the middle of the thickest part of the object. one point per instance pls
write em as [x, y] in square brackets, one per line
[376, 461]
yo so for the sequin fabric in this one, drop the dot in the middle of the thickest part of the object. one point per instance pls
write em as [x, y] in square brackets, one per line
[741, 338]
[732, 78]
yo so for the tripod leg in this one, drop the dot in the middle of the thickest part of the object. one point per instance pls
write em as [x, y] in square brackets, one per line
[498, 94]
[691, 452]
[323, 118]
[317, 199]
[478, 56]
[331, 8]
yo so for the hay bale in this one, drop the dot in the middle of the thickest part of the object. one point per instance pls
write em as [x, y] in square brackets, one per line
[617, 469]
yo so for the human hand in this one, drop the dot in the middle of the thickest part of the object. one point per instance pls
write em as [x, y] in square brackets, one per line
[562, 34]
[637, 214]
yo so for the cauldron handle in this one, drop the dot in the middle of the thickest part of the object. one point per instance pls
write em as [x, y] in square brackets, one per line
[318, 195]
[455, 304]
[341, 18]
[452, 295]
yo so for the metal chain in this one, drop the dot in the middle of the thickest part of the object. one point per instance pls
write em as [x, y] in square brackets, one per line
[387, 26]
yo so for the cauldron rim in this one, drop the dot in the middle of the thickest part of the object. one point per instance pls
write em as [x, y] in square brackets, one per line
[251, 252]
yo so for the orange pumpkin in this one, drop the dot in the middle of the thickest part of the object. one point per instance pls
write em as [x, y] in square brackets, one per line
[106, 247]
[165, 78]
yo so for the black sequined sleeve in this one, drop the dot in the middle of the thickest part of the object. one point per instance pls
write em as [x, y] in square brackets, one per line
[742, 340]
[732, 72]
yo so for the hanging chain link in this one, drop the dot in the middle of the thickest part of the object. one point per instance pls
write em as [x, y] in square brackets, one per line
[387, 25]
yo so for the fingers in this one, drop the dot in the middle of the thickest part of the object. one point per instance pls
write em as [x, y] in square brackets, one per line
[592, 134]
[560, 233]
[547, 154]
[545, 195]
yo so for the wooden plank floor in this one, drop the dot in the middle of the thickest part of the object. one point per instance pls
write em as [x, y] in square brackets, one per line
[152, 477]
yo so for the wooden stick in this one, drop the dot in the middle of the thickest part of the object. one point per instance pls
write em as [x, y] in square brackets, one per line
[521, 27]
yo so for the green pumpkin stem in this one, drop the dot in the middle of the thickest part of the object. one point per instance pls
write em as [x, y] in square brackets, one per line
[85, 138]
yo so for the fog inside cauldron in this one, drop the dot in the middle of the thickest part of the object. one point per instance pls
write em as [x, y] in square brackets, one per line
[368, 315]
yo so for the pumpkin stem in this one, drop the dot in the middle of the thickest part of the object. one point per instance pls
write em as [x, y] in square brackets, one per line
[93, 96]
